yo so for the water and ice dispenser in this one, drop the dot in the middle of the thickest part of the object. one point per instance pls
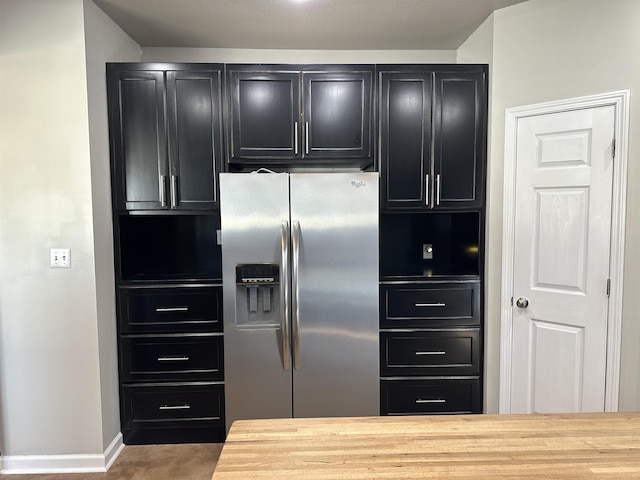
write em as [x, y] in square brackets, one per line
[258, 295]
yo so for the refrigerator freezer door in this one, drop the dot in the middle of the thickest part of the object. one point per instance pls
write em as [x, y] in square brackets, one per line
[335, 253]
[253, 209]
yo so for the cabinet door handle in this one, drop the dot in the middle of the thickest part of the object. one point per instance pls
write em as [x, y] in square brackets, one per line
[438, 189]
[306, 137]
[431, 304]
[174, 407]
[173, 359]
[172, 309]
[174, 191]
[163, 190]
[430, 400]
[295, 137]
[426, 189]
[439, 352]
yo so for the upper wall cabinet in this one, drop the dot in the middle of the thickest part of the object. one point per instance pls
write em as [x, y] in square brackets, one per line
[166, 135]
[432, 136]
[292, 114]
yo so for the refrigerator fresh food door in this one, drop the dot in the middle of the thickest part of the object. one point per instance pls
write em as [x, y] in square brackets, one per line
[334, 246]
[254, 211]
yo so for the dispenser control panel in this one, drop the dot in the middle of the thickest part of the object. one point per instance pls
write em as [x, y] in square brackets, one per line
[257, 274]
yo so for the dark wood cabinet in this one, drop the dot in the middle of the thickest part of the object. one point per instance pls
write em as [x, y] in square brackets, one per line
[430, 352]
[180, 357]
[429, 303]
[432, 134]
[431, 396]
[423, 126]
[459, 139]
[169, 309]
[171, 363]
[288, 114]
[166, 135]
[405, 139]
[264, 114]
[172, 413]
[431, 346]
[432, 127]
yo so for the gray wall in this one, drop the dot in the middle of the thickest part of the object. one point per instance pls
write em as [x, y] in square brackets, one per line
[58, 373]
[544, 50]
[104, 42]
[240, 55]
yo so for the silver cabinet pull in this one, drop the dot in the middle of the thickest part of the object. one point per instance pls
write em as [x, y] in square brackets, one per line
[172, 309]
[286, 348]
[306, 138]
[174, 407]
[431, 304]
[438, 189]
[163, 190]
[439, 352]
[430, 400]
[426, 189]
[295, 244]
[174, 191]
[173, 359]
[295, 137]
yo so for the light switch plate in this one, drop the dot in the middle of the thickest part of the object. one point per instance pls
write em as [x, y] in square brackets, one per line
[60, 258]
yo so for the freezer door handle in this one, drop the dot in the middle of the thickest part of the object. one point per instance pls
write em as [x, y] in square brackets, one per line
[295, 244]
[286, 349]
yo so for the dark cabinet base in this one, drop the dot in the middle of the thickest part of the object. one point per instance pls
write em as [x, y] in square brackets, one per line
[151, 436]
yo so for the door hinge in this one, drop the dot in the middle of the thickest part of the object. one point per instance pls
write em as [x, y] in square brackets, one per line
[608, 287]
[613, 148]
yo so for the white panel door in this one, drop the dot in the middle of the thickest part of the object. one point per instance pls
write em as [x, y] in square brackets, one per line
[564, 171]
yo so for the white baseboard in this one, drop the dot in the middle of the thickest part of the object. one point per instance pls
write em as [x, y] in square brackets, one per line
[113, 451]
[84, 463]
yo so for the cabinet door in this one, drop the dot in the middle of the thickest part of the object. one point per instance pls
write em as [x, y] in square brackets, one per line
[405, 139]
[139, 141]
[459, 139]
[265, 123]
[337, 114]
[195, 142]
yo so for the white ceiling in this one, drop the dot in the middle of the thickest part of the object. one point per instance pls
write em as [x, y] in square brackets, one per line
[302, 24]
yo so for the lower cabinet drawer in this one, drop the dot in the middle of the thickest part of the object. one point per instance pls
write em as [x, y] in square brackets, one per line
[433, 396]
[196, 408]
[427, 304]
[426, 353]
[172, 358]
[170, 309]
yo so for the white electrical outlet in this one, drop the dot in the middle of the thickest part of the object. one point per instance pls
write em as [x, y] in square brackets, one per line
[60, 258]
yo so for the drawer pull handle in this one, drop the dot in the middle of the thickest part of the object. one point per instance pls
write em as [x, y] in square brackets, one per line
[174, 407]
[439, 352]
[431, 304]
[431, 400]
[173, 359]
[172, 309]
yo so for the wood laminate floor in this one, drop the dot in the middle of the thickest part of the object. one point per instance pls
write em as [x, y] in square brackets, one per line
[150, 462]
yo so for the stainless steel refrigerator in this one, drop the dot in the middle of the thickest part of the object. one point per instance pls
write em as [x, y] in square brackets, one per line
[300, 288]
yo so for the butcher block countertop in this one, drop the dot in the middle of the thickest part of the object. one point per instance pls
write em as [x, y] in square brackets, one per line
[567, 446]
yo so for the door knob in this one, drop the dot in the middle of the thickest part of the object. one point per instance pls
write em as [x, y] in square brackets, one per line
[522, 302]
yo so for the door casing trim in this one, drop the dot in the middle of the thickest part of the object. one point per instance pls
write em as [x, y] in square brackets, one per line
[620, 100]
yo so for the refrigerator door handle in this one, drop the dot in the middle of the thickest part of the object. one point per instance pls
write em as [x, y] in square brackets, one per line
[286, 349]
[295, 244]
